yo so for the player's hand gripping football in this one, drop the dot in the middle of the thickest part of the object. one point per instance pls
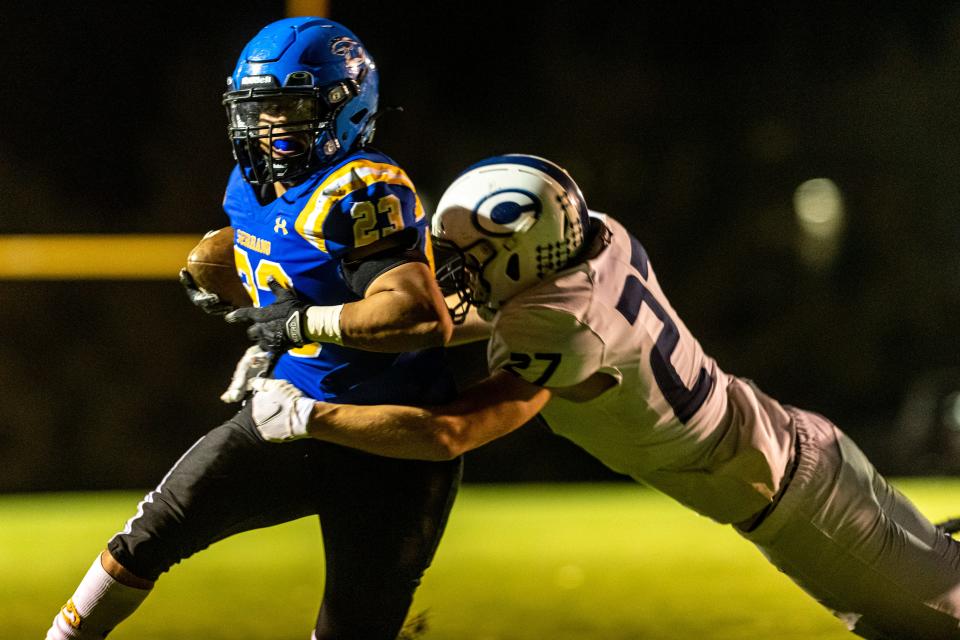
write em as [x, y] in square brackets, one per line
[209, 302]
[280, 411]
[279, 326]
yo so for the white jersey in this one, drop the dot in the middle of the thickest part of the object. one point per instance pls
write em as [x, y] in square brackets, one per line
[674, 419]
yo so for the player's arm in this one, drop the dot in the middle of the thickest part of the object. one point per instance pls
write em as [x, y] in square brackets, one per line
[483, 412]
[472, 329]
[402, 310]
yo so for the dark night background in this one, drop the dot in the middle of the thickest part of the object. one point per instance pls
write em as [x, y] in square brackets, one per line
[692, 125]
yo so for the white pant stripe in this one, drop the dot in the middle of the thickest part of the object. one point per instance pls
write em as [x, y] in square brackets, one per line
[149, 497]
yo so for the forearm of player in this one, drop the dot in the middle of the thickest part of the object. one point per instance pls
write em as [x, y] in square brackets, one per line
[387, 430]
[472, 329]
[486, 411]
[402, 310]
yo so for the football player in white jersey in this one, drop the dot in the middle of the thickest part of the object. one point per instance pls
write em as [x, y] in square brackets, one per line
[582, 332]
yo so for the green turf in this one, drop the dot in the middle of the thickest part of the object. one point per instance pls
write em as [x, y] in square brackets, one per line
[518, 563]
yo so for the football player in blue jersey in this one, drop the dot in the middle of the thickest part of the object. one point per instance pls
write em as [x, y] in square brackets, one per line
[583, 332]
[314, 210]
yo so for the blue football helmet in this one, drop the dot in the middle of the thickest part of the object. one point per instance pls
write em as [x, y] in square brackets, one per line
[303, 94]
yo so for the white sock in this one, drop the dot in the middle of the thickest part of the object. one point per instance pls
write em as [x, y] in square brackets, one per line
[99, 604]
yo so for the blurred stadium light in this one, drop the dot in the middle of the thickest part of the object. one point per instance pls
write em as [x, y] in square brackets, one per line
[819, 207]
[951, 412]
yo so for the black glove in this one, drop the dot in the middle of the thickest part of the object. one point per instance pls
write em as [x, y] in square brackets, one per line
[209, 302]
[279, 326]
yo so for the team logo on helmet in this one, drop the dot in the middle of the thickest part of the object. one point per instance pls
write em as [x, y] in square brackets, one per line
[352, 52]
[507, 211]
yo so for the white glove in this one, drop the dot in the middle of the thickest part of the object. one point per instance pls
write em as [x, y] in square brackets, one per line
[254, 362]
[280, 411]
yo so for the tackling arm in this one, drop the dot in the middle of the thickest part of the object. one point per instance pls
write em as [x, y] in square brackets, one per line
[484, 412]
[472, 329]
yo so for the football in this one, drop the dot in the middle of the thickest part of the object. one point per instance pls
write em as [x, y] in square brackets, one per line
[213, 268]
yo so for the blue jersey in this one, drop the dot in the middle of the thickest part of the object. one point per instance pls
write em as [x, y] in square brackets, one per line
[300, 239]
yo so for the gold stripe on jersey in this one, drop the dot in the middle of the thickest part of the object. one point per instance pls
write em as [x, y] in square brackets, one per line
[345, 180]
[428, 250]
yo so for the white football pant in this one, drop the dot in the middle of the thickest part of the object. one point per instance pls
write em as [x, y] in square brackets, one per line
[858, 546]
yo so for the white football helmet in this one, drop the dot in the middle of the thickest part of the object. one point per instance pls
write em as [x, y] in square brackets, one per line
[510, 221]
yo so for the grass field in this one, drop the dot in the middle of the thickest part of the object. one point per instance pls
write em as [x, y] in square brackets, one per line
[536, 562]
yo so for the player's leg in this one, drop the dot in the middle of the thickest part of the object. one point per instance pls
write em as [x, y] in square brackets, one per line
[227, 482]
[382, 520]
[100, 602]
[921, 560]
[859, 546]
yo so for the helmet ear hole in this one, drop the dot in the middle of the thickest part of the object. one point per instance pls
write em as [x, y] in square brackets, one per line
[513, 267]
[358, 116]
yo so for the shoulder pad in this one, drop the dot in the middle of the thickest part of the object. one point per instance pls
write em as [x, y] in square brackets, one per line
[359, 203]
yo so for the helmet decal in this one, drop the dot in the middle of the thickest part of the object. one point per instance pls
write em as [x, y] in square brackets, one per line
[551, 257]
[507, 211]
[545, 166]
[352, 53]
